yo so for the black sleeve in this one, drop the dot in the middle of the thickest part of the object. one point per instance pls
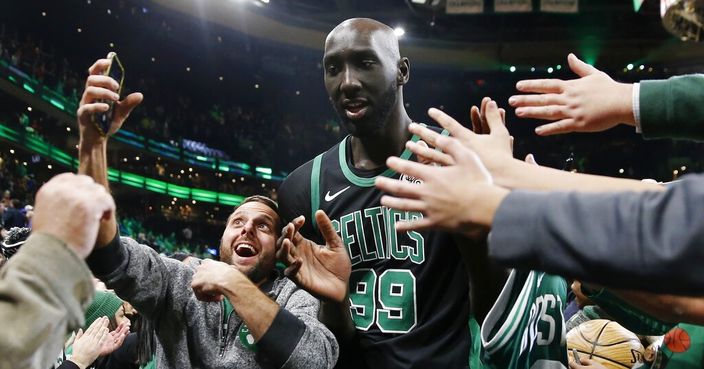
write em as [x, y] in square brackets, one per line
[105, 260]
[281, 338]
[68, 364]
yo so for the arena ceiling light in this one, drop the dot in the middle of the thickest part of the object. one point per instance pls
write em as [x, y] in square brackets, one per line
[399, 31]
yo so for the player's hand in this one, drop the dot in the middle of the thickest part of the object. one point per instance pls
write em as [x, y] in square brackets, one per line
[323, 271]
[87, 345]
[585, 364]
[210, 279]
[101, 87]
[480, 124]
[70, 208]
[592, 103]
[459, 197]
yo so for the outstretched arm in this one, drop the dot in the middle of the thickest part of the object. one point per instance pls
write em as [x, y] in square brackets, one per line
[92, 146]
[669, 308]
[592, 103]
[494, 150]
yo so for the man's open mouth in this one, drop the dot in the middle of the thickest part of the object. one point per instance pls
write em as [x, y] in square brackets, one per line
[355, 109]
[245, 250]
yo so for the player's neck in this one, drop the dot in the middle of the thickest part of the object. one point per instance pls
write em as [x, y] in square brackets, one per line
[371, 152]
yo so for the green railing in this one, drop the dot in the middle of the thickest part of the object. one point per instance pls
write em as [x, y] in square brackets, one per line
[69, 106]
[37, 145]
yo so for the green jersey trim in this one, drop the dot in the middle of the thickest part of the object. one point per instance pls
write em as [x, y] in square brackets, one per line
[362, 181]
[513, 320]
[315, 190]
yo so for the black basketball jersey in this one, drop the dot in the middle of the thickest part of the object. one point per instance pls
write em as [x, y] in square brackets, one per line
[408, 290]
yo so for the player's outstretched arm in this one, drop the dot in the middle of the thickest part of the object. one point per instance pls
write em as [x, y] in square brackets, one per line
[670, 308]
[592, 103]
[92, 146]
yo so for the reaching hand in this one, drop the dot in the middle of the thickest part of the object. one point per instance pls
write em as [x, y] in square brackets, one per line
[493, 145]
[480, 123]
[210, 278]
[70, 207]
[459, 197]
[323, 271]
[87, 345]
[115, 338]
[101, 87]
[592, 103]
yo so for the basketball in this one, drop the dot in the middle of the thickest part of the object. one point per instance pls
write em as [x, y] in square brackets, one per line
[677, 340]
[606, 342]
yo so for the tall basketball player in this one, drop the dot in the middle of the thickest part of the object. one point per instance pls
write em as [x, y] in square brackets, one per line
[405, 303]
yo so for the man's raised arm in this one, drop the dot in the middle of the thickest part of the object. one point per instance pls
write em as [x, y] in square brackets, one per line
[92, 146]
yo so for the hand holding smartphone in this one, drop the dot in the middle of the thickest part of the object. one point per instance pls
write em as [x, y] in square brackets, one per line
[115, 70]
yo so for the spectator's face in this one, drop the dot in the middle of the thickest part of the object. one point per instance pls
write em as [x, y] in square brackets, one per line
[249, 240]
[361, 79]
[120, 316]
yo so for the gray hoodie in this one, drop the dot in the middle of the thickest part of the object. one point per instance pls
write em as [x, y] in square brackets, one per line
[196, 334]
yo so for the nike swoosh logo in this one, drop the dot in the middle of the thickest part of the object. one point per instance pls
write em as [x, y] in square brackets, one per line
[329, 197]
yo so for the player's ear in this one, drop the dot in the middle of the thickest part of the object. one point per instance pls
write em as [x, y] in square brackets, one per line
[404, 71]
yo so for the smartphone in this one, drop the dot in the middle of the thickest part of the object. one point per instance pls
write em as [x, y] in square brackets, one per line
[576, 356]
[117, 72]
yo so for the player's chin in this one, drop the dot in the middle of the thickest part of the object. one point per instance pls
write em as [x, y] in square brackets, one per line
[362, 127]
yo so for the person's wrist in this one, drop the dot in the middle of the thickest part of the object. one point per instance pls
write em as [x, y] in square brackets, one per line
[492, 199]
[502, 175]
[227, 285]
[624, 97]
[79, 360]
[91, 142]
[89, 136]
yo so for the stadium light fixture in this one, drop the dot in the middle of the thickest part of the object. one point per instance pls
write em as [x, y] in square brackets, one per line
[399, 32]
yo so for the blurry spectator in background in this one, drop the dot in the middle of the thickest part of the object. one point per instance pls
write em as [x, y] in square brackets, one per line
[107, 311]
[29, 213]
[13, 217]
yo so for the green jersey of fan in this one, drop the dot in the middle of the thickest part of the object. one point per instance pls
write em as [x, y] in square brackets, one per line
[408, 290]
[682, 348]
[525, 327]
